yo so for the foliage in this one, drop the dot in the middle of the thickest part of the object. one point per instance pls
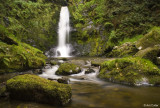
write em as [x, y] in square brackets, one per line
[112, 21]
[32, 21]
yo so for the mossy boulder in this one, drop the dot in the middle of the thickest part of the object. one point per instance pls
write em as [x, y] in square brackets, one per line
[149, 40]
[130, 71]
[68, 69]
[150, 53]
[126, 49]
[34, 88]
[20, 56]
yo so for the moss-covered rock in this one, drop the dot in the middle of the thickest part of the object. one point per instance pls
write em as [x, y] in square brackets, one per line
[68, 69]
[126, 49]
[34, 88]
[20, 56]
[130, 71]
[150, 53]
[150, 39]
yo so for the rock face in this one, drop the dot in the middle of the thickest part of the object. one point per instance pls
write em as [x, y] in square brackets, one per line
[130, 71]
[126, 49]
[34, 88]
[68, 69]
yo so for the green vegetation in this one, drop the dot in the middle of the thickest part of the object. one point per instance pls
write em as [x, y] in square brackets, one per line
[150, 53]
[34, 88]
[103, 24]
[132, 40]
[126, 49]
[31, 21]
[68, 69]
[150, 39]
[130, 71]
[18, 56]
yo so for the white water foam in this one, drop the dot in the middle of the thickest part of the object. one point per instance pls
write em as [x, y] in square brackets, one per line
[50, 73]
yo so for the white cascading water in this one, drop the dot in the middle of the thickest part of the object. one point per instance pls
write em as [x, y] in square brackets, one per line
[63, 49]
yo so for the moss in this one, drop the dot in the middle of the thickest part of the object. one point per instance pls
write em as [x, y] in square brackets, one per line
[129, 70]
[68, 69]
[150, 39]
[126, 49]
[34, 88]
[19, 57]
[104, 24]
[150, 53]
[31, 21]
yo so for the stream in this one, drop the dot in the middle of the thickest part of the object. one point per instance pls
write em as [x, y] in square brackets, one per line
[89, 91]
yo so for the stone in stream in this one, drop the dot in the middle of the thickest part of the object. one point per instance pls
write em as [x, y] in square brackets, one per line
[48, 66]
[68, 69]
[37, 71]
[63, 80]
[88, 71]
[34, 88]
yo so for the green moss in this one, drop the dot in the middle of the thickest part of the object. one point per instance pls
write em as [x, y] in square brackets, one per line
[129, 70]
[103, 24]
[32, 21]
[34, 88]
[20, 56]
[126, 49]
[68, 69]
[150, 39]
[133, 39]
[150, 53]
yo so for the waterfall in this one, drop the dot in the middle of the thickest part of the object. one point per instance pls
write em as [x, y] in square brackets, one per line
[63, 49]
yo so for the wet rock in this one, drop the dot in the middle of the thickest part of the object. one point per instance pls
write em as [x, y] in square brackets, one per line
[48, 66]
[37, 71]
[53, 62]
[51, 79]
[34, 88]
[90, 70]
[68, 69]
[63, 80]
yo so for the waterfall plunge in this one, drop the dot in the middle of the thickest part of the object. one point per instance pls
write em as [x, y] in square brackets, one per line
[63, 49]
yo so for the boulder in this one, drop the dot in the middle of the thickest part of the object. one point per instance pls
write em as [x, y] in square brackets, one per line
[130, 71]
[88, 71]
[68, 69]
[63, 80]
[34, 88]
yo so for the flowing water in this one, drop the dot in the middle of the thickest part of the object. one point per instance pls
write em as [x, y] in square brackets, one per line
[63, 49]
[89, 91]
